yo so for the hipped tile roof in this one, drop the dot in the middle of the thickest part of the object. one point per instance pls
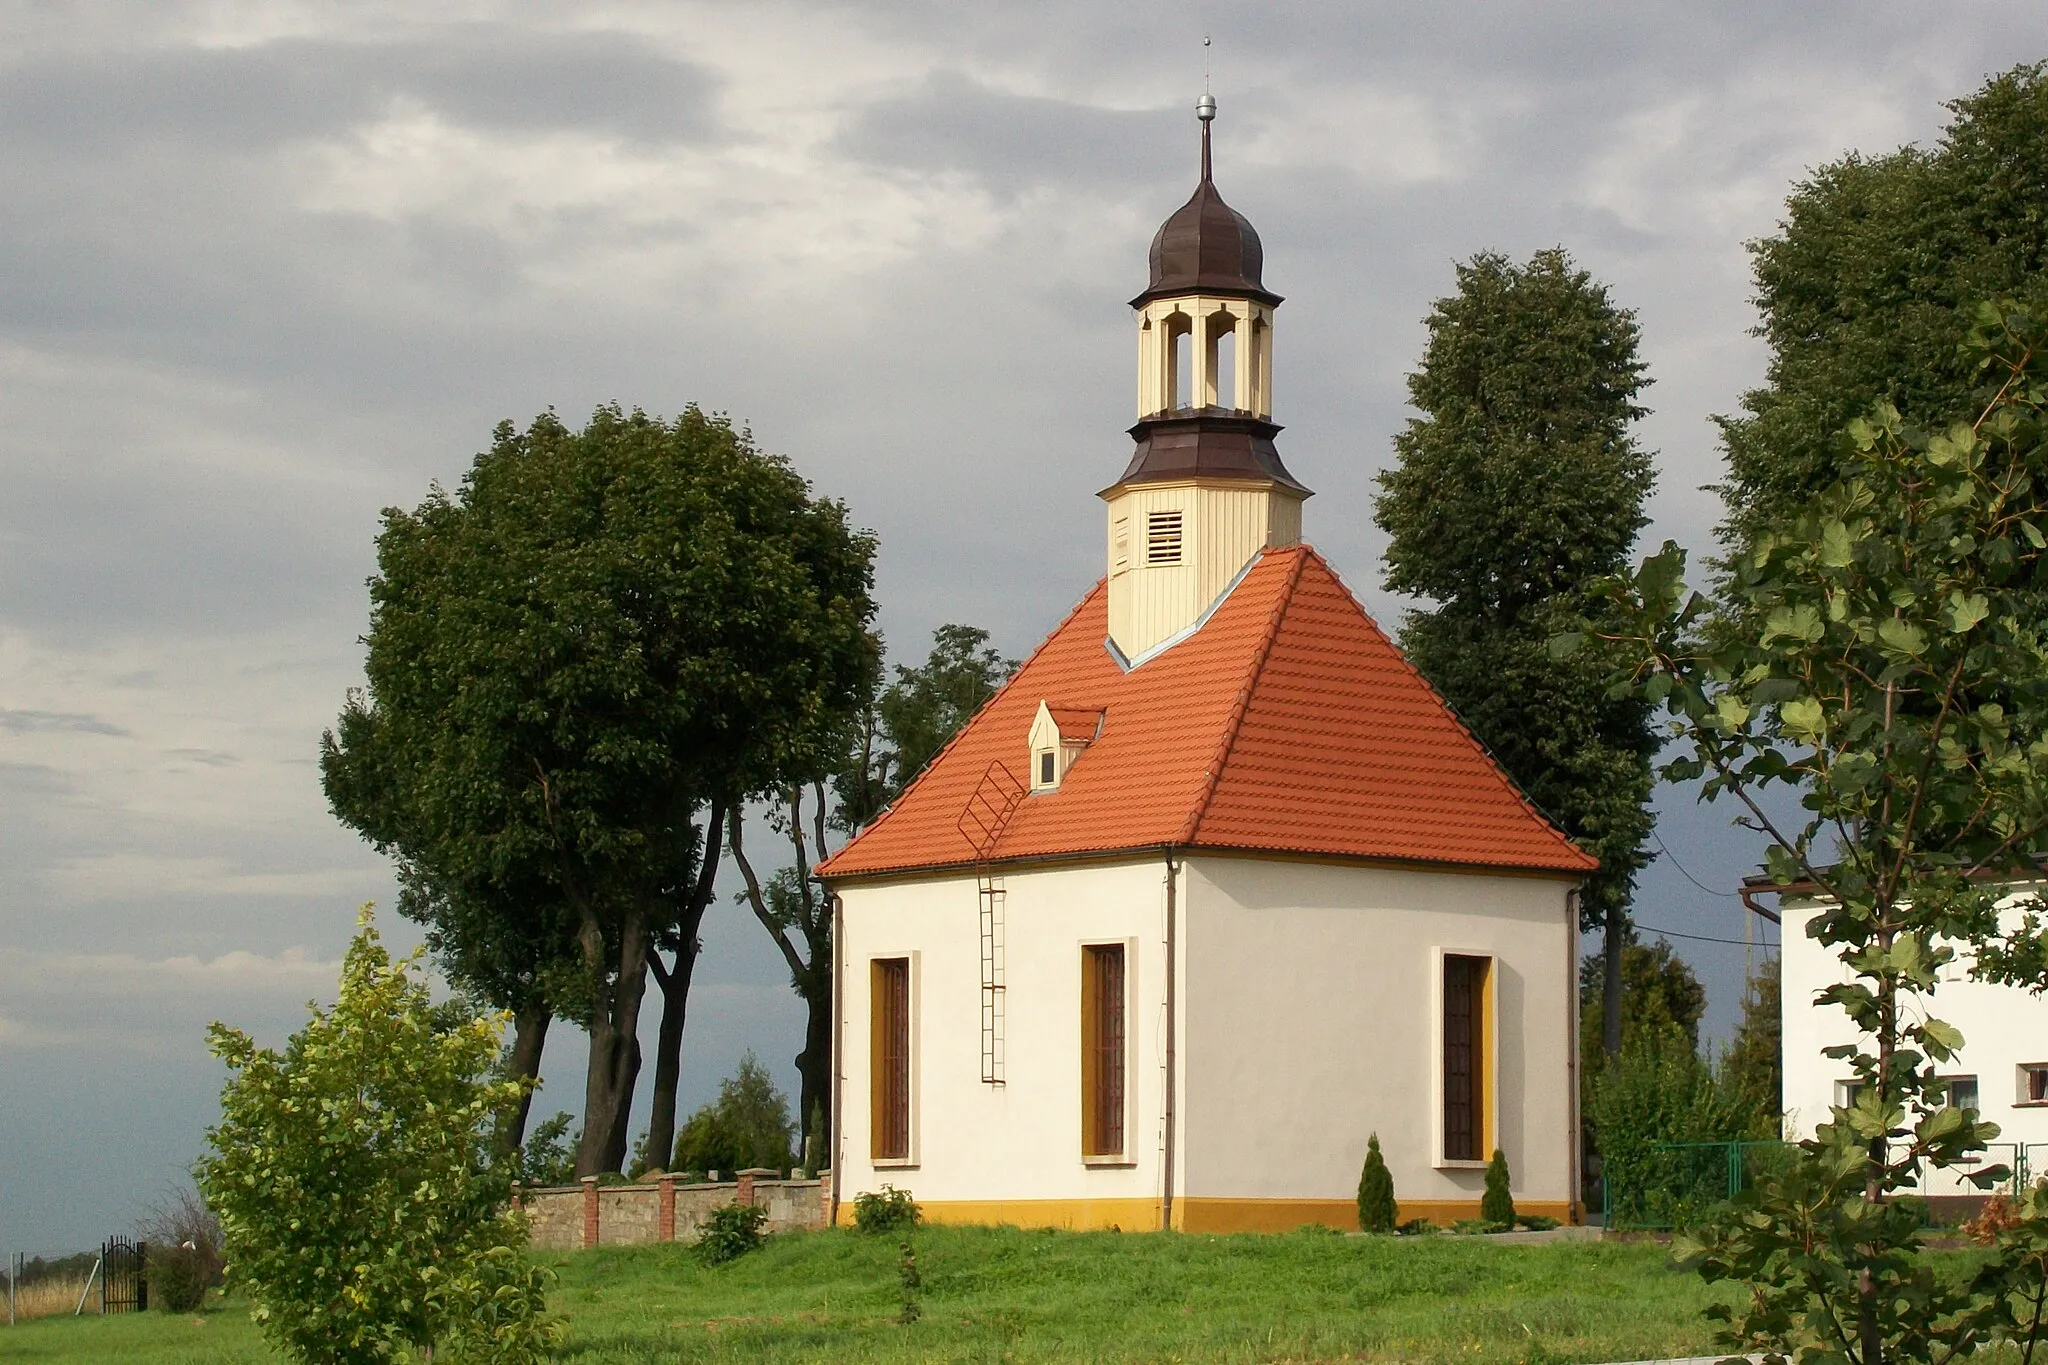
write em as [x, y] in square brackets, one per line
[1287, 724]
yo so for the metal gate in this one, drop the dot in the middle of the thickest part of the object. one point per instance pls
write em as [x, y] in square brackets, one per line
[124, 1276]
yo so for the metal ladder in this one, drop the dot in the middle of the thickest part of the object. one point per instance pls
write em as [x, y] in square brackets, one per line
[981, 823]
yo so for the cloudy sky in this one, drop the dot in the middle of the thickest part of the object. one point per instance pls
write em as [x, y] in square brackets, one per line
[268, 267]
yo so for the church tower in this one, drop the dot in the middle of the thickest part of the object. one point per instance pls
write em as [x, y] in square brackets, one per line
[1205, 491]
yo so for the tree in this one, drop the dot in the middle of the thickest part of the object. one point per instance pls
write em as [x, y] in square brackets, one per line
[575, 664]
[1659, 993]
[867, 763]
[1518, 486]
[1496, 1203]
[358, 1193]
[748, 1125]
[913, 718]
[1753, 1069]
[1880, 651]
[1867, 288]
[1377, 1211]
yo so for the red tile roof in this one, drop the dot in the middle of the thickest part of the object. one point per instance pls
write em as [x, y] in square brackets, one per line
[1287, 724]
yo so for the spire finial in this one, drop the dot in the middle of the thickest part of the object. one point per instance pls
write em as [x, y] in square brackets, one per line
[1205, 108]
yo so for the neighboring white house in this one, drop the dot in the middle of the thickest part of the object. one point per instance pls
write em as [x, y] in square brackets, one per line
[1216, 886]
[2002, 1069]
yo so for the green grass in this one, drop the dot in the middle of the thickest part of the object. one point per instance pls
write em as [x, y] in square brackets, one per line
[993, 1294]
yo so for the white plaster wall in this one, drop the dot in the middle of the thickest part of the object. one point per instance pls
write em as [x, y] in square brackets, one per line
[2002, 1028]
[1021, 1140]
[1311, 1024]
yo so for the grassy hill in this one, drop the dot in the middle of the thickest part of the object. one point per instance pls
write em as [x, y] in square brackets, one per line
[1005, 1294]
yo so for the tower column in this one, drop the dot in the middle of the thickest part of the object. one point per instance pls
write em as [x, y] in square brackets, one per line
[1246, 360]
[1201, 359]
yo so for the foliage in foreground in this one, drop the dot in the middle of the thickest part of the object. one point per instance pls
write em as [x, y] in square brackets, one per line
[1496, 1202]
[1881, 653]
[364, 1209]
[729, 1233]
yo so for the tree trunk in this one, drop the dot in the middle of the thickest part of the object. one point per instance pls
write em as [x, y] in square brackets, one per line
[529, 1036]
[1610, 980]
[675, 995]
[814, 1064]
[614, 1044]
[668, 1053]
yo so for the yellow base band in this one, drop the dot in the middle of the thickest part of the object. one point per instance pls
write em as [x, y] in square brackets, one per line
[1204, 1214]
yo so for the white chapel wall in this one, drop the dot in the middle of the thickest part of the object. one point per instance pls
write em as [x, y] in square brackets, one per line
[1311, 1024]
[981, 1151]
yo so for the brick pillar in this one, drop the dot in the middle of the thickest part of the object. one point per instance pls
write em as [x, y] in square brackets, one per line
[825, 1199]
[589, 1212]
[517, 1207]
[665, 1210]
[747, 1179]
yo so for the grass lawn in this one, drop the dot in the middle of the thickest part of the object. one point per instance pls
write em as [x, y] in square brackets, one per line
[998, 1294]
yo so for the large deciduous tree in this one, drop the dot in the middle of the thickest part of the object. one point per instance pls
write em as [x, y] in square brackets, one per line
[1519, 485]
[578, 660]
[1880, 652]
[1867, 288]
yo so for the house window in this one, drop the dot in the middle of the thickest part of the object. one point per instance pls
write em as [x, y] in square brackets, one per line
[1962, 1092]
[2033, 1083]
[1162, 538]
[1047, 769]
[889, 1122]
[1465, 1053]
[1103, 1059]
[1846, 1093]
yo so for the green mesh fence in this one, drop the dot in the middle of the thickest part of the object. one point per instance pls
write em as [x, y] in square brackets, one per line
[1670, 1186]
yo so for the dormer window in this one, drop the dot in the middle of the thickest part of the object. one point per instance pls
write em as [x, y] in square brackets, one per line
[1058, 735]
[1162, 538]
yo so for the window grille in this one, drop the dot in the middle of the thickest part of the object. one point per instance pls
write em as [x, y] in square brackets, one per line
[1464, 1058]
[889, 1136]
[2033, 1086]
[1104, 1064]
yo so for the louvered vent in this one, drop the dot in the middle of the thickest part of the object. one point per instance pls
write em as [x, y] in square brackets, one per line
[1162, 538]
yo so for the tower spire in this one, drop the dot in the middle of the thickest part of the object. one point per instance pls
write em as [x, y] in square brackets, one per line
[1205, 109]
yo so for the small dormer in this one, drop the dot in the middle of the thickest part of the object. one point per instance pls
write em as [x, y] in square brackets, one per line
[1058, 735]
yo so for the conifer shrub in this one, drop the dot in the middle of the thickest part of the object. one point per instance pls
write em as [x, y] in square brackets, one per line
[1497, 1206]
[1377, 1211]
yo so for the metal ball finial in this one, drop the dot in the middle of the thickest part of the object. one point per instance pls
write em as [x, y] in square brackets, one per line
[1205, 107]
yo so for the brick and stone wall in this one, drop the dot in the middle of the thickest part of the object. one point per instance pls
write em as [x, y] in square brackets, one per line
[587, 1214]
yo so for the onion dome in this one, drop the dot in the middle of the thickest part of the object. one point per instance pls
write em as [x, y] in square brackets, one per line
[1206, 247]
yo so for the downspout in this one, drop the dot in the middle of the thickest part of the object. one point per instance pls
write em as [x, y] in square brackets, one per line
[1576, 1145]
[838, 1050]
[1166, 1161]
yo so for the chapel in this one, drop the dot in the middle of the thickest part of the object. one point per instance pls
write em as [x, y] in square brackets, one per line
[1216, 887]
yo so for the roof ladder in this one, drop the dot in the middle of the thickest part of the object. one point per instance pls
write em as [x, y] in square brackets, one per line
[981, 823]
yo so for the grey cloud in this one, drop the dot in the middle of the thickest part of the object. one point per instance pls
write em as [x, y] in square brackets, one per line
[951, 122]
[261, 95]
[23, 722]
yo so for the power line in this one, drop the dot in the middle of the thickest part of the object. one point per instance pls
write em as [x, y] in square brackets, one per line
[1701, 938]
[1725, 895]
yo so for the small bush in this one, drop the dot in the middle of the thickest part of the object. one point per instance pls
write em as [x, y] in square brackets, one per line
[892, 1210]
[1377, 1211]
[1535, 1222]
[1417, 1227]
[1996, 1216]
[1497, 1206]
[184, 1251]
[730, 1233]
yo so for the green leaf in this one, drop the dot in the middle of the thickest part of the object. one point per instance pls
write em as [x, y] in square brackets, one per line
[1964, 612]
[1902, 635]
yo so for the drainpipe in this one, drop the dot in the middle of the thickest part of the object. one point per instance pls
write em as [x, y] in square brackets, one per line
[1166, 1162]
[1576, 1154]
[837, 1152]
